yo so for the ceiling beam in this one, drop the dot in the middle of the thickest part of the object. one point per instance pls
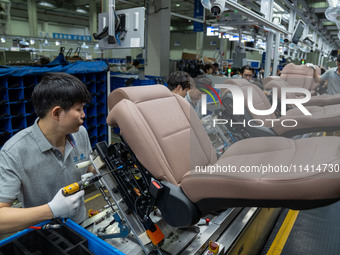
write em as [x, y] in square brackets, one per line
[80, 2]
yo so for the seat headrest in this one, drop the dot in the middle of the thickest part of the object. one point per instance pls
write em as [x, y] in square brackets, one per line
[299, 69]
[237, 82]
[137, 94]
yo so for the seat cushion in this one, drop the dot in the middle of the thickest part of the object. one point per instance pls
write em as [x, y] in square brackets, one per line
[279, 185]
[300, 76]
[326, 118]
[323, 100]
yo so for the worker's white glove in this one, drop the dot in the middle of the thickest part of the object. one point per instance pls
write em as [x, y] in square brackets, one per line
[66, 207]
[310, 65]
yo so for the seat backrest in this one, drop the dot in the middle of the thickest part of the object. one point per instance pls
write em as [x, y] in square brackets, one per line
[300, 76]
[162, 129]
[260, 100]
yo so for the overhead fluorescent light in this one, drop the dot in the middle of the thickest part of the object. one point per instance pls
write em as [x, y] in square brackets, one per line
[227, 28]
[3, 39]
[23, 43]
[81, 10]
[46, 4]
[84, 46]
[32, 41]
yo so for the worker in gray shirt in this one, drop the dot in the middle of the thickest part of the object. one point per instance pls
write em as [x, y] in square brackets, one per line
[332, 76]
[40, 160]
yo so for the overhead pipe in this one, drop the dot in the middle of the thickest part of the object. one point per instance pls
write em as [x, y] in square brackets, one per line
[249, 14]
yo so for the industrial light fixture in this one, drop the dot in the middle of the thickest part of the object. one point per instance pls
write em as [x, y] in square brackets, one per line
[23, 43]
[46, 43]
[32, 41]
[3, 39]
[57, 43]
[84, 46]
[46, 4]
[178, 5]
[81, 10]
[227, 28]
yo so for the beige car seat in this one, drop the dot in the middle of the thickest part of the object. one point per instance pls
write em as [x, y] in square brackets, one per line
[325, 118]
[300, 76]
[169, 140]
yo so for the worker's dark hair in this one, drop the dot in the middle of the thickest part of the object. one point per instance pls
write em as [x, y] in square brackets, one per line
[323, 70]
[44, 60]
[179, 78]
[246, 67]
[216, 64]
[58, 89]
[136, 63]
[207, 67]
[338, 58]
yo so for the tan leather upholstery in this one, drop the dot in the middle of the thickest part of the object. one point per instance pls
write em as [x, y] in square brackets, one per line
[300, 76]
[322, 100]
[322, 119]
[297, 76]
[169, 140]
[269, 79]
[317, 100]
[164, 151]
[274, 151]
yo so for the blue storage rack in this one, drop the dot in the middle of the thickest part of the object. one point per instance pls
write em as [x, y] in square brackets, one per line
[119, 80]
[70, 239]
[16, 87]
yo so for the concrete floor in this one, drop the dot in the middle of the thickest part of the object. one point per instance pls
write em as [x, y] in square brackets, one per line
[94, 199]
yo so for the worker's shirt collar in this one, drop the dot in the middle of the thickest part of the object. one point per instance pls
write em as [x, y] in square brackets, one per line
[44, 144]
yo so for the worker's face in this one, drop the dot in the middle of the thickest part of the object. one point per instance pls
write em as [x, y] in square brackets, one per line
[210, 71]
[180, 91]
[71, 120]
[247, 74]
[183, 92]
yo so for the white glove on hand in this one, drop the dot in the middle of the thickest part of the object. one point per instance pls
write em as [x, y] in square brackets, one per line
[66, 207]
[310, 65]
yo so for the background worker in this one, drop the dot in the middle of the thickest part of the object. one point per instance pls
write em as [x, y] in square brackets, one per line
[135, 67]
[215, 69]
[40, 160]
[193, 96]
[247, 72]
[208, 69]
[179, 83]
[332, 76]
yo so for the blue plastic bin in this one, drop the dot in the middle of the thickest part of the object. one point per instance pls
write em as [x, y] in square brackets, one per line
[95, 244]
